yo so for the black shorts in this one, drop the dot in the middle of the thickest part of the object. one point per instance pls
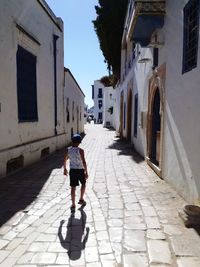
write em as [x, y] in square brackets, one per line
[76, 176]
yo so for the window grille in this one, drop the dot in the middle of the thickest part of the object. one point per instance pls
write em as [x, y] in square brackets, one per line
[190, 35]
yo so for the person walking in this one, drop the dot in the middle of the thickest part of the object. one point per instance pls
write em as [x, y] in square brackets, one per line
[78, 170]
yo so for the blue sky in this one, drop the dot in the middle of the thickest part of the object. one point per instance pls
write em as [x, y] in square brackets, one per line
[82, 54]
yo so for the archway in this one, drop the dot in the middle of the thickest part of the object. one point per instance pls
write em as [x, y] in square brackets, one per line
[129, 116]
[155, 119]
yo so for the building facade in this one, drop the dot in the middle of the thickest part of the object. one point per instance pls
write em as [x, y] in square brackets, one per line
[97, 96]
[109, 100]
[74, 106]
[32, 101]
[104, 98]
[158, 91]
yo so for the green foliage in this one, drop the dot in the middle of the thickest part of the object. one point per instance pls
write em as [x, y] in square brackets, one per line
[109, 26]
[107, 80]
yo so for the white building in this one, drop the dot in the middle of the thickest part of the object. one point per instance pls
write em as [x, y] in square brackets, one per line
[108, 106]
[159, 94]
[104, 101]
[32, 102]
[97, 96]
[75, 106]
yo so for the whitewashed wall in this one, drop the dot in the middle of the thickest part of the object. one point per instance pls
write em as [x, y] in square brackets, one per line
[142, 73]
[116, 119]
[181, 96]
[74, 93]
[109, 100]
[29, 138]
[136, 79]
[182, 109]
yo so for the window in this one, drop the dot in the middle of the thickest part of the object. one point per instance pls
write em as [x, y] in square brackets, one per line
[77, 113]
[73, 110]
[155, 57]
[100, 117]
[135, 114]
[190, 35]
[26, 86]
[100, 95]
[100, 104]
[92, 91]
[67, 110]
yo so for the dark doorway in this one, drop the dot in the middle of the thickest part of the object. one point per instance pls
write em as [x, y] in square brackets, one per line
[121, 114]
[155, 133]
[129, 118]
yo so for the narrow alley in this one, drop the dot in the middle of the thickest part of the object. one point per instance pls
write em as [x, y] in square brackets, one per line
[131, 218]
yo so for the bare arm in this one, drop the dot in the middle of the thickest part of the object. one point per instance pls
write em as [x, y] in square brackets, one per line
[84, 162]
[65, 172]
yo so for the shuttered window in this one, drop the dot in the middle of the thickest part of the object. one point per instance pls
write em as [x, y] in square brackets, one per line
[100, 95]
[100, 104]
[190, 35]
[26, 86]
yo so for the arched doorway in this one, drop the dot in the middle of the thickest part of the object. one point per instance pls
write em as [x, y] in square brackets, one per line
[121, 114]
[129, 116]
[155, 129]
[155, 119]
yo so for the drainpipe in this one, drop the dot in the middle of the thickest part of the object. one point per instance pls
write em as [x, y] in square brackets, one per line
[55, 38]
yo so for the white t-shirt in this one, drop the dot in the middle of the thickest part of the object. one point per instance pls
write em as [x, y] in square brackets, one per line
[75, 158]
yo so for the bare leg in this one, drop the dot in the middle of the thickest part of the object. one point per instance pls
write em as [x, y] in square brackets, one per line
[82, 191]
[73, 190]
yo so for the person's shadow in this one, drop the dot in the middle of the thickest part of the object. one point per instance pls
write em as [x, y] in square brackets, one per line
[75, 233]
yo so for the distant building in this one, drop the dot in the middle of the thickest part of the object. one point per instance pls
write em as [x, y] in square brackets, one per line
[97, 96]
[104, 104]
[91, 110]
[109, 106]
[74, 106]
[85, 113]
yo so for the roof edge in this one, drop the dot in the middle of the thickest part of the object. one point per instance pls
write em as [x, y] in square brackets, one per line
[68, 70]
[57, 21]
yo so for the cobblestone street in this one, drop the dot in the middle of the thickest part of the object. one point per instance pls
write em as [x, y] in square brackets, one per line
[131, 218]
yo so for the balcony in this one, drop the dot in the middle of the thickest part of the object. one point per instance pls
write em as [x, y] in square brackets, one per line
[143, 19]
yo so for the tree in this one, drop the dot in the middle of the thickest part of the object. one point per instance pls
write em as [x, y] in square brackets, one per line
[109, 26]
[107, 80]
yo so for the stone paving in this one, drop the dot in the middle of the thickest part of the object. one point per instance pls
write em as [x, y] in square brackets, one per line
[130, 220]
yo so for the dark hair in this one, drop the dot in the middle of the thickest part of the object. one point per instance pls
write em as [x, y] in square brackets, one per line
[76, 138]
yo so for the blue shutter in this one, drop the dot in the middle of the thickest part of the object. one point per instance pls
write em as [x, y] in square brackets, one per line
[26, 86]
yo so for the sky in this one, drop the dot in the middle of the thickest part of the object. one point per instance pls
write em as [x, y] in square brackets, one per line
[82, 54]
